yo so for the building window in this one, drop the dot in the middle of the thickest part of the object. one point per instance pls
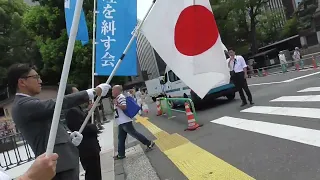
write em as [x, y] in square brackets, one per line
[173, 77]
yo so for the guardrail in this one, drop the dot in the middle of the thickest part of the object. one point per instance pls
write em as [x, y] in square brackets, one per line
[312, 62]
[14, 151]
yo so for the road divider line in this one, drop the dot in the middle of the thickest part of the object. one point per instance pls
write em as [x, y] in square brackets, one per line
[285, 111]
[194, 162]
[292, 133]
[285, 81]
[310, 89]
[307, 98]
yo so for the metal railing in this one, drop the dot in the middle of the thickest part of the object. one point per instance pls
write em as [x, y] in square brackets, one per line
[14, 151]
[166, 106]
[287, 67]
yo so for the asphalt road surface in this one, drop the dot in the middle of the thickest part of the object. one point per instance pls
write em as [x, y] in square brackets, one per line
[278, 138]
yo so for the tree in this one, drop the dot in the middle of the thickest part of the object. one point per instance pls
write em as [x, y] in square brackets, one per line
[239, 18]
[16, 44]
[47, 23]
[290, 28]
[270, 23]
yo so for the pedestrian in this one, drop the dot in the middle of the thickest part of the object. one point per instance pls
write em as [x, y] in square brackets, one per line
[145, 106]
[125, 125]
[43, 168]
[238, 72]
[296, 57]
[139, 99]
[33, 118]
[89, 148]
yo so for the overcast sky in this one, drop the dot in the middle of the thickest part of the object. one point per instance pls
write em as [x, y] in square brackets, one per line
[143, 6]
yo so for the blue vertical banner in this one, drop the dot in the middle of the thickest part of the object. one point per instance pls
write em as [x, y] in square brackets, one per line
[69, 8]
[116, 20]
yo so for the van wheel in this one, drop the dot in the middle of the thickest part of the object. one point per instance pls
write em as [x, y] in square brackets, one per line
[231, 96]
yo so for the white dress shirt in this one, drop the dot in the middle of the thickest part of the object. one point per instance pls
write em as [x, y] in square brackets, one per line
[237, 64]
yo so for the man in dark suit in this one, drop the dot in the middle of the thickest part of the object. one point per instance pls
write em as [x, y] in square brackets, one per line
[89, 149]
[33, 118]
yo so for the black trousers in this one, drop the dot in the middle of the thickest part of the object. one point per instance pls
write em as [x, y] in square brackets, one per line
[241, 84]
[72, 174]
[91, 164]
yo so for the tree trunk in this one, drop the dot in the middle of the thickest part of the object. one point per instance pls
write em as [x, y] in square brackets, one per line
[254, 48]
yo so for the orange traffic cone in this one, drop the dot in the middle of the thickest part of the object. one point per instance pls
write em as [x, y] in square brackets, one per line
[297, 66]
[264, 72]
[192, 124]
[314, 63]
[159, 111]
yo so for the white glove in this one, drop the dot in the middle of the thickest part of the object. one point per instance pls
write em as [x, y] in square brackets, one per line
[105, 88]
[76, 138]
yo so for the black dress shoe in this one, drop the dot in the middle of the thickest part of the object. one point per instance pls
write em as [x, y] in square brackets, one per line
[251, 103]
[243, 104]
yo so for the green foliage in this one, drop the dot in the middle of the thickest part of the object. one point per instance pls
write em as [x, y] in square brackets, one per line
[237, 21]
[47, 25]
[269, 26]
[290, 28]
[305, 13]
[16, 45]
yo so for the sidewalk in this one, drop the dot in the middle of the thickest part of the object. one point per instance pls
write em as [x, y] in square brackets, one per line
[136, 165]
[107, 152]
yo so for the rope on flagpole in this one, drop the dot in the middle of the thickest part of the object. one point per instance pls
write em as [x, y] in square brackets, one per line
[64, 78]
[93, 49]
[135, 32]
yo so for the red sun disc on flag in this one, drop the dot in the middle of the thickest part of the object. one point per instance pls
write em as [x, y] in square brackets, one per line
[195, 31]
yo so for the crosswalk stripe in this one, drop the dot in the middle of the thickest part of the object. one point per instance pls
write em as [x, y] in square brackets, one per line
[293, 133]
[285, 111]
[310, 89]
[308, 98]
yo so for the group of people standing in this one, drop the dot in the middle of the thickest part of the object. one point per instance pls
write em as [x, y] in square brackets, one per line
[33, 118]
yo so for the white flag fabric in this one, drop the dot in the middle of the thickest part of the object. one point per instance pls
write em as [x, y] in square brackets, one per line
[185, 35]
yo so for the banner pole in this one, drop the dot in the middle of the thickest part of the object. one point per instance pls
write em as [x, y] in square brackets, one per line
[64, 78]
[93, 49]
[134, 34]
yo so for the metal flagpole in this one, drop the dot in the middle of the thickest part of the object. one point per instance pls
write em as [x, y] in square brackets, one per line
[134, 34]
[64, 77]
[93, 49]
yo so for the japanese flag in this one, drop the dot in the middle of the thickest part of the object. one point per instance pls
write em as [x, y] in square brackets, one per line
[185, 35]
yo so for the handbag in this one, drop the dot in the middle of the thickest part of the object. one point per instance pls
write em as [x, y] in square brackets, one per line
[132, 107]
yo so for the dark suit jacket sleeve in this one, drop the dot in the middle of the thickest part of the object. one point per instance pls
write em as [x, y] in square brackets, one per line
[75, 118]
[40, 108]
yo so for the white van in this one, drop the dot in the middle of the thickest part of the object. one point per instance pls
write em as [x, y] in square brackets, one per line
[155, 89]
[174, 87]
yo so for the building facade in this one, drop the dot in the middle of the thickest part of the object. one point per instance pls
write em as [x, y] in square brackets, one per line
[150, 64]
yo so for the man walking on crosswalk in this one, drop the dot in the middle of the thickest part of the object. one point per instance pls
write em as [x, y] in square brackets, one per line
[238, 72]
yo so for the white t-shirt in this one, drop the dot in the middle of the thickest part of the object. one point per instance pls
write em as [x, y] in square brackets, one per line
[237, 64]
[3, 175]
[138, 95]
[121, 99]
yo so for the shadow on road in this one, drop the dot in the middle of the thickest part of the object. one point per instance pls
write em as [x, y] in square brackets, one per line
[208, 104]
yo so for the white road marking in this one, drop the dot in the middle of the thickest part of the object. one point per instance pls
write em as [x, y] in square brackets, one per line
[293, 133]
[308, 98]
[300, 77]
[286, 81]
[285, 111]
[268, 83]
[311, 89]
